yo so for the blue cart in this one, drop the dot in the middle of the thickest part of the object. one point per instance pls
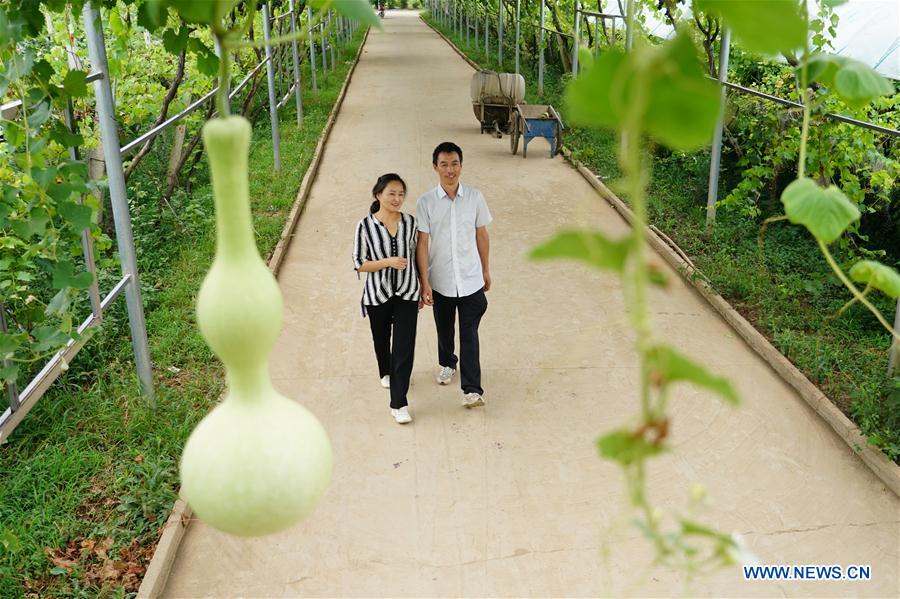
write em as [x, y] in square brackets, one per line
[535, 120]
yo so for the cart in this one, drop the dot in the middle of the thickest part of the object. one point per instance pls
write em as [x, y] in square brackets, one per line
[534, 120]
[494, 98]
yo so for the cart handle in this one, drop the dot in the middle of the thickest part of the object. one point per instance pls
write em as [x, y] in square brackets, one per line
[558, 118]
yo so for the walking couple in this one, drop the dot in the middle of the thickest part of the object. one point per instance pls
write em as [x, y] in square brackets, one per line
[439, 258]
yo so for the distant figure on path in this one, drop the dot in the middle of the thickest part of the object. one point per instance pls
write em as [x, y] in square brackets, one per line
[385, 248]
[453, 259]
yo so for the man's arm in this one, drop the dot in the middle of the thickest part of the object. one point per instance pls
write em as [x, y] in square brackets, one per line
[422, 265]
[483, 242]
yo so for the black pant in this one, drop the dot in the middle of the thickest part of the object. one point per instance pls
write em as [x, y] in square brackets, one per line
[397, 361]
[471, 308]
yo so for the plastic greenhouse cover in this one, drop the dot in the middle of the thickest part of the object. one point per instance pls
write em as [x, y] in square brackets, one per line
[867, 30]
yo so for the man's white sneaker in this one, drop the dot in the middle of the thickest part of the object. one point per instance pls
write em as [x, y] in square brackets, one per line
[402, 415]
[471, 400]
[445, 374]
[386, 381]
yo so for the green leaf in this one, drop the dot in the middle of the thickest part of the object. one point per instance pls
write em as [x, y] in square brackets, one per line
[59, 304]
[625, 447]
[9, 343]
[19, 65]
[61, 135]
[174, 42]
[63, 276]
[77, 214]
[35, 225]
[44, 71]
[585, 57]
[820, 67]
[766, 26]
[48, 337]
[10, 29]
[825, 212]
[681, 104]
[39, 114]
[8, 374]
[591, 247]
[151, 14]
[668, 366]
[207, 61]
[358, 10]
[194, 11]
[74, 83]
[878, 275]
[858, 85]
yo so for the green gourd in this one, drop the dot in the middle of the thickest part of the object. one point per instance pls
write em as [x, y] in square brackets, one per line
[259, 461]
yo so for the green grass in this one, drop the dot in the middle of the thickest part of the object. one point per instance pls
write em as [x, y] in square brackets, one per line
[788, 293]
[93, 462]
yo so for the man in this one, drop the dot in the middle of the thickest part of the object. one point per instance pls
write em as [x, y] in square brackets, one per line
[452, 257]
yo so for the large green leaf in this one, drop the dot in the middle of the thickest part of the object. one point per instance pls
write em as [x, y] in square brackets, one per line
[358, 10]
[175, 41]
[591, 247]
[768, 26]
[63, 276]
[625, 447]
[74, 83]
[825, 212]
[207, 61]
[858, 85]
[684, 104]
[878, 275]
[668, 366]
[681, 104]
[78, 215]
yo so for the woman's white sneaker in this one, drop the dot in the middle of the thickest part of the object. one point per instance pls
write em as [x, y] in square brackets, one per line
[401, 415]
[471, 400]
[445, 375]
[386, 381]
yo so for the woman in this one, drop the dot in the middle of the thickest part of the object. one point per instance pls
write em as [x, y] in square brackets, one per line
[385, 248]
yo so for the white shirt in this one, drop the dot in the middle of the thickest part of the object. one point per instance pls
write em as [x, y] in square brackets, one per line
[454, 265]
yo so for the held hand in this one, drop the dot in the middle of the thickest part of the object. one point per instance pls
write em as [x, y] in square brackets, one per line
[397, 262]
[487, 280]
[421, 305]
[427, 294]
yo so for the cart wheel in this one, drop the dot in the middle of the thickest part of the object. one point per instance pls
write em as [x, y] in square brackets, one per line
[514, 134]
[524, 149]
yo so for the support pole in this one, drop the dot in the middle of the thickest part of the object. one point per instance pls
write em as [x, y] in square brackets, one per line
[577, 39]
[118, 197]
[894, 360]
[715, 158]
[500, 34]
[518, 18]
[541, 55]
[296, 55]
[312, 48]
[273, 100]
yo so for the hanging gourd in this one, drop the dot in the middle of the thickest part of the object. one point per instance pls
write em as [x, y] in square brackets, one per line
[258, 462]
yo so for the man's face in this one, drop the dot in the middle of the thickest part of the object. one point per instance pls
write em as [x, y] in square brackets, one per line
[448, 168]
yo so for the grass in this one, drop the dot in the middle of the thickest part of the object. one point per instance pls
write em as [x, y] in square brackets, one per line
[88, 479]
[787, 292]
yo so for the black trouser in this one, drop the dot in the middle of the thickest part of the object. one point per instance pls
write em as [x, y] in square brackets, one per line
[471, 308]
[396, 361]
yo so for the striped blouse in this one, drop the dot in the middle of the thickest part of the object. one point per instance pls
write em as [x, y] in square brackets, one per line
[373, 242]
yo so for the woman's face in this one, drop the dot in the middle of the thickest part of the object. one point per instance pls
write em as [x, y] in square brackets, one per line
[392, 197]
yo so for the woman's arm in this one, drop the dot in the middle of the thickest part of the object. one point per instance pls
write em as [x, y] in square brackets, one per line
[373, 265]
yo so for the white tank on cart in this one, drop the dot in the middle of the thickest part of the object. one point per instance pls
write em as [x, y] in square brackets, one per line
[490, 87]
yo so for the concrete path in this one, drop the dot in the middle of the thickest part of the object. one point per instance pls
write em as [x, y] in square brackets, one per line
[512, 500]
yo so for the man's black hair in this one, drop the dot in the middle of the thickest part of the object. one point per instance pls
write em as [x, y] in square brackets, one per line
[447, 147]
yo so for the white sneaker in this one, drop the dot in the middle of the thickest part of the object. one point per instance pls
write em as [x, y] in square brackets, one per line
[386, 381]
[471, 400]
[445, 374]
[402, 415]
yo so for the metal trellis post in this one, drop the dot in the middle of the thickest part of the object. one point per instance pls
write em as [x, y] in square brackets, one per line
[716, 149]
[270, 77]
[312, 48]
[296, 55]
[118, 197]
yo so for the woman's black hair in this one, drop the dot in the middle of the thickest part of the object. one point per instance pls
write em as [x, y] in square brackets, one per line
[382, 182]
